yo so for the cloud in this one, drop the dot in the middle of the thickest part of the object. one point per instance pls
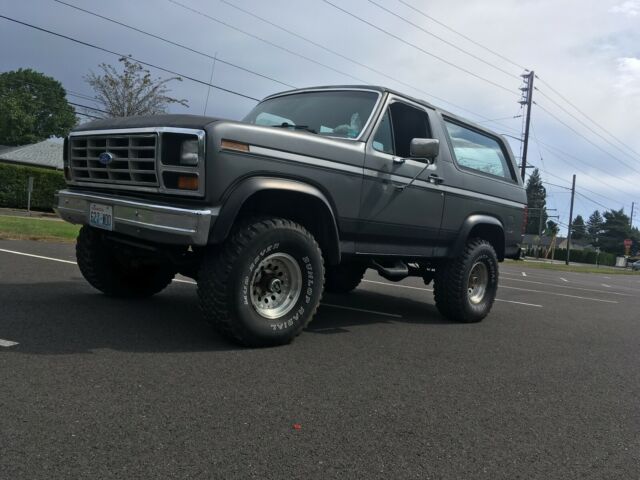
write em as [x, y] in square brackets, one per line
[629, 75]
[630, 8]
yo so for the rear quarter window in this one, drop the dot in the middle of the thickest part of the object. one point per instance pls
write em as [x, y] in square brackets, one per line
[479, 152]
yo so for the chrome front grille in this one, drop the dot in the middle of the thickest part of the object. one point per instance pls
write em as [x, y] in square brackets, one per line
[127, 159]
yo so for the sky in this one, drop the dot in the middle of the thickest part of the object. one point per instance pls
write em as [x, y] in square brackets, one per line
[586, 52]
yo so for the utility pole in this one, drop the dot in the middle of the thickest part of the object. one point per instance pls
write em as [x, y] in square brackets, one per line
[631, 217]
[527, 99]
[573, 194]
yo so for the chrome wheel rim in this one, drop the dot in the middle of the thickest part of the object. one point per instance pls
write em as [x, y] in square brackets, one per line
[477, 283]
[276, 285]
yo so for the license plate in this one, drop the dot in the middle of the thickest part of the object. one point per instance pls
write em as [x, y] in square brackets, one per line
[101, 216]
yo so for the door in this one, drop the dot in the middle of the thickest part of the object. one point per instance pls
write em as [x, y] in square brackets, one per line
[401, 204]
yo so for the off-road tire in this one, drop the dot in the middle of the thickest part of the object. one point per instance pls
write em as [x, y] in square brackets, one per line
[226, 273]
[451, 283]
[113, 275]
[344, 277]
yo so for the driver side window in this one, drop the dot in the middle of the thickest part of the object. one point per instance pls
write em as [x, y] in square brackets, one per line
[383, 141]
[401, 124]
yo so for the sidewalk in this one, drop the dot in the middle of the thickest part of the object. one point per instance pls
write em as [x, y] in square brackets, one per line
[17, 212]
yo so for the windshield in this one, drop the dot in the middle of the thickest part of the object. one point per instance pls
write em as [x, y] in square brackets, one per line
[332, 113]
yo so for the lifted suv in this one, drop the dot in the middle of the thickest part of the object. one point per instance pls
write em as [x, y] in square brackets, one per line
[314, 187]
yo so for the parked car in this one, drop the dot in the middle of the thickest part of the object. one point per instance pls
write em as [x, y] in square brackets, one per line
[312, 188]
[635, 265]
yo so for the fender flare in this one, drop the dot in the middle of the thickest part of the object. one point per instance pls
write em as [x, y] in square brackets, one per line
[252, 185]
[468, 225]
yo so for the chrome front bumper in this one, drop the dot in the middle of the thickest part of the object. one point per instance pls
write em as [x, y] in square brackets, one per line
[153, 222]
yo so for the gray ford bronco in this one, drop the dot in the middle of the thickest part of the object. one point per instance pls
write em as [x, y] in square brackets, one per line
[311, 189]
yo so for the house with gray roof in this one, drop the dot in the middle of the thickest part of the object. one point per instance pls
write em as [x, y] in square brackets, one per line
[45, 154]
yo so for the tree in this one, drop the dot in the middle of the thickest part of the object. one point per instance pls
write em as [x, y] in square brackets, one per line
[536, 202]
[132, 91]
[33, 108]
[578, 229]
[615, 230]
[594, 227]
[552, 228]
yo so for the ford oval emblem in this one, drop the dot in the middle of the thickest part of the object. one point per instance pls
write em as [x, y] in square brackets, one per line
[105, 158]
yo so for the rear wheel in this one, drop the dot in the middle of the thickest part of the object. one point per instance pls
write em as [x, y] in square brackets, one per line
[263, 286]
[344, 277]
[116, 274]
[465, 288]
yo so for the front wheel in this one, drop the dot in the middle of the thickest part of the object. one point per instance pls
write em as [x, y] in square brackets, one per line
[263, 286]
[116, 274]
[465, 288]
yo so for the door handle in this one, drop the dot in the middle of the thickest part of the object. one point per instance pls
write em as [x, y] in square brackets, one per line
[398, 160]
[434, 178]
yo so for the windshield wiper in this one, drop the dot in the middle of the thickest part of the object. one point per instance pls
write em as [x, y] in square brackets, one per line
[295, 127]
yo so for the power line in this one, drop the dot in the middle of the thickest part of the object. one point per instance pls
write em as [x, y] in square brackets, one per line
[87, 44]
[462, 35]
[349, 59]
[413, 45]
[580, 166]
[268, 42]
[175, 44]
[593, 201]
[451, 44]
[84, 97]
[501, 118]
[88, 107]
[584, 137]
[585, 115]
[87, 115]
[216, 20]
[584, 124]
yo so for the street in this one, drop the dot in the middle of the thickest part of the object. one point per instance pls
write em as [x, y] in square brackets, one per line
[378, 386]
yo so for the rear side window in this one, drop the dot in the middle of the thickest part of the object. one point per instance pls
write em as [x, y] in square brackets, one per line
[479, 152]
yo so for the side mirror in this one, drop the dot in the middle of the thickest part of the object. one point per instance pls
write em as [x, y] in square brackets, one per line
[424, 148]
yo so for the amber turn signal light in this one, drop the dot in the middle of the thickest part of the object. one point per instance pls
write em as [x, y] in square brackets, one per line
[236, 146]
[188, 182]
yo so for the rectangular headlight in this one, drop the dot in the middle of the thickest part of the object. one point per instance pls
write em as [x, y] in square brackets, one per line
[189, 153]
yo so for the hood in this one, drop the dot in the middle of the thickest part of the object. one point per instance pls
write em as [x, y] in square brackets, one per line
[178, 121]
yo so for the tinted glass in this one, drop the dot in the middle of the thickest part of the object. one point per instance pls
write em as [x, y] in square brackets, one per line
[383, 141]
[478, 152]
[331, 113]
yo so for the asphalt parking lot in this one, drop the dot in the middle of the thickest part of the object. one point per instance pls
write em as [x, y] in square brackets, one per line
[378, 386]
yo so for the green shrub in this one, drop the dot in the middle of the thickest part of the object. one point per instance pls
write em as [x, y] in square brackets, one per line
[578, 256]
[13, 186]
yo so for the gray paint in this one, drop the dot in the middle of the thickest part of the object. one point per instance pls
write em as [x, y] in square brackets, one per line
[357, 184]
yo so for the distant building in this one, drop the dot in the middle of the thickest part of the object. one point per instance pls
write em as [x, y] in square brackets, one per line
[530, 241]
[575, 244]
[45, 154]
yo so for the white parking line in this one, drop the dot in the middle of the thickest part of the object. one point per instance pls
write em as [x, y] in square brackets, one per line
[393, 315]
[605, 285]
[559, 294]
[7, 343]
[38, 256]
[564, 279]
[519, 303]
[431, 290]
[567, 286]
[524, 274]
[190, 282]
[398, 286]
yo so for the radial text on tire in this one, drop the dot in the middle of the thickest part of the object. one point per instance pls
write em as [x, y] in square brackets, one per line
[264, 285]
